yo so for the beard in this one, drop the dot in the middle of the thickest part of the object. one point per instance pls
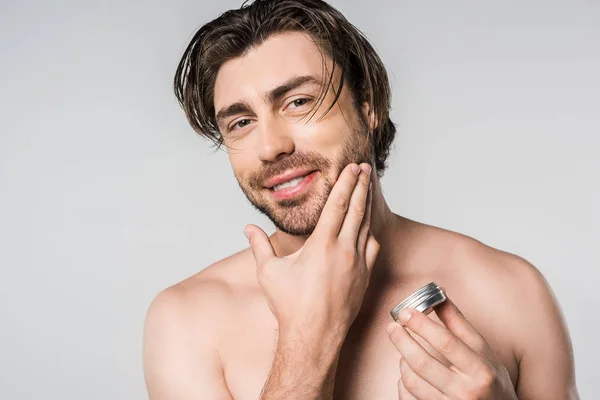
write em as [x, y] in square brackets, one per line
[299, 216]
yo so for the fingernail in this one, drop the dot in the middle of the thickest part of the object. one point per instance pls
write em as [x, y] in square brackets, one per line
[404, 315]
[355, 168]
[366, 168]
[391, 326]
[247, 233]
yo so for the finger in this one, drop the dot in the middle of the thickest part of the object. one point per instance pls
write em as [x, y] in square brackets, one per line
[357, 207]
[363, 234]
[371, 251]
[441, 339]
[415, 385]
[420, 361]
[403, 393]
[260, 244]
[335, 209]
[458, 324]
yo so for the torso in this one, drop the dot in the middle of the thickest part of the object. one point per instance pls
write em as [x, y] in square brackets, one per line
[369, 364]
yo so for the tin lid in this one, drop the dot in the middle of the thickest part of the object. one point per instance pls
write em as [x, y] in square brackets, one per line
[423, 300]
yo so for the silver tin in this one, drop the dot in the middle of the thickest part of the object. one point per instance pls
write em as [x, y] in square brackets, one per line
[422, 300]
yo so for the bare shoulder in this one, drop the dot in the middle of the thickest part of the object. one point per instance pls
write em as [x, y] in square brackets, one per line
[509, 301]
[182, 331]
[205, 296]
[504, 284]
[493, 275]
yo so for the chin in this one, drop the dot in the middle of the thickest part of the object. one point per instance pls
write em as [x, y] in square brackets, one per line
[298, 227]
[296, 216]
[297, 230]
[298, 220]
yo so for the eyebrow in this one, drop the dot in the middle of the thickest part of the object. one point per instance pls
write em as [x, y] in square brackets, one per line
[272, 96]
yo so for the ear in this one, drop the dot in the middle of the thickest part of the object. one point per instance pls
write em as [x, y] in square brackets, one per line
[369, 116]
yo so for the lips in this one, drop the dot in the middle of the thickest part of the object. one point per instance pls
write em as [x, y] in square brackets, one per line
[299, 188]
[287, 176]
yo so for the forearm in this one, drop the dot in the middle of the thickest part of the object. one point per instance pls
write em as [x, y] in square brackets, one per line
[302, 369]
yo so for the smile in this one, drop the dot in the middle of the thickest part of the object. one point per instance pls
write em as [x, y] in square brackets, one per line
[293, 187]
[288, 184]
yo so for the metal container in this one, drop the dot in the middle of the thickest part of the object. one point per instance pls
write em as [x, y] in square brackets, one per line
[422, 300]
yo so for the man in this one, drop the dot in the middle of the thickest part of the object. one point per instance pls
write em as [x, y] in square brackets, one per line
[300, 99]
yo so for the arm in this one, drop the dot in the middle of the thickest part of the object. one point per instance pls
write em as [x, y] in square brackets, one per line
[180, 357]
[316, 292]
[546, 369]
[302, 370]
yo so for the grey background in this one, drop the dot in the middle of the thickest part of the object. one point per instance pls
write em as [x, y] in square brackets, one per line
[107, 196]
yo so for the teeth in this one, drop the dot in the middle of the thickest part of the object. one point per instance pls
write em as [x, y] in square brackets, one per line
[288, 184]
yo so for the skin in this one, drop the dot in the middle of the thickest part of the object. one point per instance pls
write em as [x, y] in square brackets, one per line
[307, 316]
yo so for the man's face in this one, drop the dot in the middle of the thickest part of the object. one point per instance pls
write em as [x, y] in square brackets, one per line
[284, 163]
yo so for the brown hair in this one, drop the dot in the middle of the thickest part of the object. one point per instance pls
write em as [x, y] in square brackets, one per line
[236, 31]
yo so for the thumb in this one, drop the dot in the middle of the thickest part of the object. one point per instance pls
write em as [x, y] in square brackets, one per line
[259, 243]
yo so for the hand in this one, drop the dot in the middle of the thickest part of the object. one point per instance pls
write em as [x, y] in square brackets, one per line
[316, 292]
[476, 372]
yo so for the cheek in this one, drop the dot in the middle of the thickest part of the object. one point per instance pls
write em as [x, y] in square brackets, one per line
[326, 138]
[325, 134]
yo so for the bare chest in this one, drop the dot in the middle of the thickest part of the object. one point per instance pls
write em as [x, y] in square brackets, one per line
[368, 365]
[367, 368]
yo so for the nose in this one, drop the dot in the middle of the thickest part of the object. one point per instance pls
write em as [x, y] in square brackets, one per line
[274, 140]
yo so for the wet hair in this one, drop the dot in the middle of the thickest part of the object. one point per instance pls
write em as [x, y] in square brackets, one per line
[237, 31]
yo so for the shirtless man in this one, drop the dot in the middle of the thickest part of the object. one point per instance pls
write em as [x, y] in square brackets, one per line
[305, 313]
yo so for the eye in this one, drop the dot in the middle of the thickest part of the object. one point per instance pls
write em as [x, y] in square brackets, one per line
[300, 102]
[239, 124]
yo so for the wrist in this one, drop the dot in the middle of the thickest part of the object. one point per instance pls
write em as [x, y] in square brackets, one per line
[320, 347]
[304, 365]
